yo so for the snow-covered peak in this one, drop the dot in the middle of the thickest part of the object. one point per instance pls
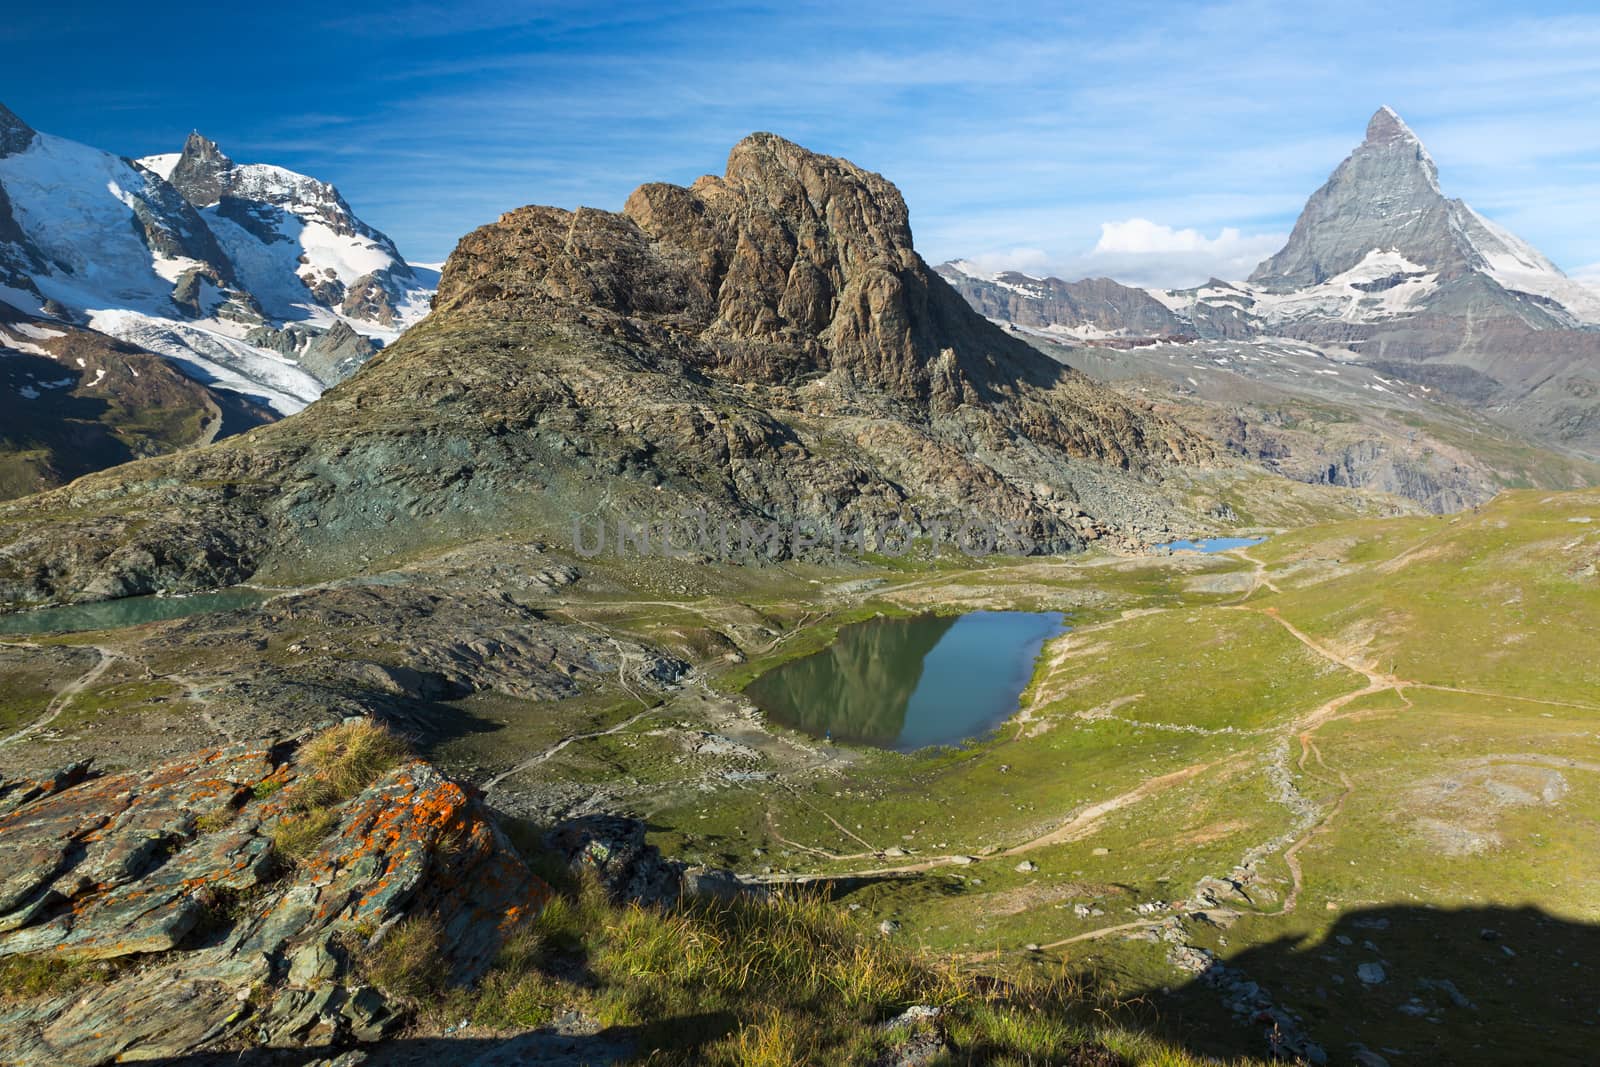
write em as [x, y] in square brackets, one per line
[207, 261]
[967, 268]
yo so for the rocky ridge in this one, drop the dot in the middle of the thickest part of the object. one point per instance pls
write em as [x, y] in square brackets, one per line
[763, 347]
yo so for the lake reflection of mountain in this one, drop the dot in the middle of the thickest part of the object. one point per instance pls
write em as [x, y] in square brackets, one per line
[859, 686]
[908, 683]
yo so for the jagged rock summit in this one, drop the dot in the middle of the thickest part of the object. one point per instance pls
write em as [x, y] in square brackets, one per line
[764, 347]
[790, 265]
[15, 135]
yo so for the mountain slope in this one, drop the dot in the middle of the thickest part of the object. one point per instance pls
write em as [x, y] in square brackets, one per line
[73, 400]
[765, 347]
[204, 268]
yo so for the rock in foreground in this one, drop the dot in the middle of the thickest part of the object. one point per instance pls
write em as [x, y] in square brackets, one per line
[232, 896]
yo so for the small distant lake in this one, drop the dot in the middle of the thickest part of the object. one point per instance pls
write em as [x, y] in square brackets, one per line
[129, 611]
[1212, 544]
[906, 684]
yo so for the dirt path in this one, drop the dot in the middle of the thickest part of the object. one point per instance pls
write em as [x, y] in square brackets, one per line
[64, 696]
[1259, 576]
[1079, 825]
[570, 739]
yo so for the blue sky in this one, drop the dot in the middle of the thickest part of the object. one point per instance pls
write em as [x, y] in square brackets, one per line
[1155, 142]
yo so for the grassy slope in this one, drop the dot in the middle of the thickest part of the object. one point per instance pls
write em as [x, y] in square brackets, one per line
[1483, 799]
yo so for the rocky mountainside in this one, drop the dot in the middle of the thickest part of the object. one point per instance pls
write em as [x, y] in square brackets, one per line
[73, 400]
[1381, 269]
[762, 347]
[199, 259]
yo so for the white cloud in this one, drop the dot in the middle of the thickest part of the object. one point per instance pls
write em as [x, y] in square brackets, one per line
[1140, 252]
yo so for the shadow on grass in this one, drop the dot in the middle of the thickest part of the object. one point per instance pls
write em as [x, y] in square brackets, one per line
[1413, 985]
[543, 1046]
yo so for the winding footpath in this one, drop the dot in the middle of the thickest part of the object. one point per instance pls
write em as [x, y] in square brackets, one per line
[64, 696]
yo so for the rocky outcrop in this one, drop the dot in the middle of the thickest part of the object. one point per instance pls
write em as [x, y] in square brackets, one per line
[15, 135]
[172, 875]
[765, 348]
[331, 355]
[611, 849]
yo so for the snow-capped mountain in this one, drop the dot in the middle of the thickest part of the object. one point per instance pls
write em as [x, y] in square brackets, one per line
[251, 278]
[1377, 242]
[1381, 239]
[291, 237]
[1381, 266]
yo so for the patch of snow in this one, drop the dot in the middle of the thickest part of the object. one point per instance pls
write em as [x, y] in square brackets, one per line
[960, 266]
[1175, 300]
[28, 392]
[162, 164]
[27, 347]
[38, 333]
[214, 358]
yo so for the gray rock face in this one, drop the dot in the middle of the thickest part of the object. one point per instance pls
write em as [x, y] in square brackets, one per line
[1101, 303]
[15, 135]
[1384, 196]
[202, 171]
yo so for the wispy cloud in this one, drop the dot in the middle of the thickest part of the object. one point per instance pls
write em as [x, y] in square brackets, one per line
[1006, 128]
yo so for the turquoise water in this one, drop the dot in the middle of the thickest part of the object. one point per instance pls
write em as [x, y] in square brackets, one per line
[906, 684]
[1213, 544]
[129, 611]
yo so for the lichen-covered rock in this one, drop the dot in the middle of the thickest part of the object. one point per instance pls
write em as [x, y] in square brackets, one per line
[172, 871]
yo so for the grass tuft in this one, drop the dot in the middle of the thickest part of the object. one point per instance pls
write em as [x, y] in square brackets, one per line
[408, 962]
[346, 759]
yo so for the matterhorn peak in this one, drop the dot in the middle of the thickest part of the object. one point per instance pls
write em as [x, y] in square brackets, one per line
[1385, 195]
[1386, 125]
